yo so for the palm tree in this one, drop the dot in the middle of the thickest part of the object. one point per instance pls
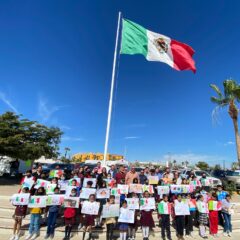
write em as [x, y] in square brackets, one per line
[67, 149]
[229, 99]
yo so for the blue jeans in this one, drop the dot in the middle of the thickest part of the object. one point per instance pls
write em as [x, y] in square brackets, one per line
[52, 217]
[227, 222]
[34, 223]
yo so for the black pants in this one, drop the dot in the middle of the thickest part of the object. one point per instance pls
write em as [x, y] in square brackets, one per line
[109, 232]
[189, 223]
[179, 225]
[165, 226]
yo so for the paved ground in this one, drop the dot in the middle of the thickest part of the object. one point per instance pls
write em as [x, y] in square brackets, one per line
[10, 186]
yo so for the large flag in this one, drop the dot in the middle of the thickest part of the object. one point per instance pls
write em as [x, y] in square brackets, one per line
[156, 47]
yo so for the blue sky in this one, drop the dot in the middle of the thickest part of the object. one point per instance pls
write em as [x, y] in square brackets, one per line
[56, 62]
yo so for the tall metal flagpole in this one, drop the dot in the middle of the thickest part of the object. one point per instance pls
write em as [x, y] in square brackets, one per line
[111, 93]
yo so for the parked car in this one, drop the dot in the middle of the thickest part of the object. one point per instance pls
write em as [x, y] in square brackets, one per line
[199, 173]
[219, 174]
[233, 177]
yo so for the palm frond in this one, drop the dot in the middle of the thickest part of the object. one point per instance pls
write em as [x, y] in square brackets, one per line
[217, 90]
[229, 87]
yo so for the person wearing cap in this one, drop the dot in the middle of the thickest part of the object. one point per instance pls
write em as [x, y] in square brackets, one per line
[132, 174]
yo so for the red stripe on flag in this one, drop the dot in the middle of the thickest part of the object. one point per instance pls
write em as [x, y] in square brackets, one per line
[182, 56]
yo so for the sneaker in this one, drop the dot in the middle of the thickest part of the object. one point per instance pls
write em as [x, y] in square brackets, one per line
[12, 238]
[229, 234]
[16, 237]
[35, 235]
[46, 236]
[52, 236]
[28, 236]
[205, 237]
[225, 234]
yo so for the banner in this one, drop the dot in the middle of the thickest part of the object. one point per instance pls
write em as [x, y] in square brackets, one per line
[115, 192]
[181, 208]
[110, 182]
[176, 189]
[187, 188]
[123, 189]
[86, 192]
[135, 188]
[110, 210]
[91, 208]
[68, 190]
[55, 199]
[28, 183]
[147, 204]
[196, 183]
[102, 193]
[93, 180]
[133, 203]
[164, 207]
[153, 180]
[206, 182]
[163, 190]
[50, 188]
[37, 202]
[55, 173]
[76, 179]
[202, 207]
[126, 216]
[63, 184]
[41, 183]
[148, 188]
[214, 205]
[20, 199]
[71, 202]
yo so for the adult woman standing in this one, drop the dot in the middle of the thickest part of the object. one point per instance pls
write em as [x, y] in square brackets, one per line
[227, 211]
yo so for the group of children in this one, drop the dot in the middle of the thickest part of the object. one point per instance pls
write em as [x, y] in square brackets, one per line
[142, 218]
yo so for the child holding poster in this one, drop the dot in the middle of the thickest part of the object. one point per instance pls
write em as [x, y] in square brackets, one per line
[89, 220]
[123, 226]
[179, 219]
[132, 227]
[110, 222]
[213, 215]
[52, 217]
[189, 219]
[203, 216]
[69, 216]
[35, 218]
[165, 218]
[146, 219]
[19, 214]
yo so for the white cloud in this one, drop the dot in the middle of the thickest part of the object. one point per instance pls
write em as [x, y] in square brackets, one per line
[45, 110]
[7, 102]
[228, 143]
[131, 137]
[64, 127]
[68, 138]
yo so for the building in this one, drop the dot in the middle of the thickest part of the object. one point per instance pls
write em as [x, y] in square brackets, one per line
[82, 157]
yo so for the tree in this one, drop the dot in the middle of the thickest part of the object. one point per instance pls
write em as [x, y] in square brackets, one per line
[229, 99]
[202, 165]
[27, 140]
[217, 167]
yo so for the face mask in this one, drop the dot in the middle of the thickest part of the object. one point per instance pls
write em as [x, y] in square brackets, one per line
[73, 194]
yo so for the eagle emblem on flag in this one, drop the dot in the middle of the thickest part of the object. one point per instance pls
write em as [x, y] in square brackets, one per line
[161, 45]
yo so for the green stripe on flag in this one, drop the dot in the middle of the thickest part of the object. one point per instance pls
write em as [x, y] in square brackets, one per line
[134, 38]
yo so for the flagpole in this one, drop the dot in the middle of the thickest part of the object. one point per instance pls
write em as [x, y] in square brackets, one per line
[111, 92]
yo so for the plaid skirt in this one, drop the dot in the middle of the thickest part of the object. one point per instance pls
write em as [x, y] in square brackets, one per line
[203, 218]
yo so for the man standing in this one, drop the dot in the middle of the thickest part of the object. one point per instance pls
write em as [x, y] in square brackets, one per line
[112, 171]
[120, 176]
[142, 177]
[131, 175]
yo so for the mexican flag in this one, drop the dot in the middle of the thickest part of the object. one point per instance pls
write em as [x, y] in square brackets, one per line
[164, 208]
[156, 47]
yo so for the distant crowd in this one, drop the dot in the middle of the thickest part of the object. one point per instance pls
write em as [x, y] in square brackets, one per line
[121, 200]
